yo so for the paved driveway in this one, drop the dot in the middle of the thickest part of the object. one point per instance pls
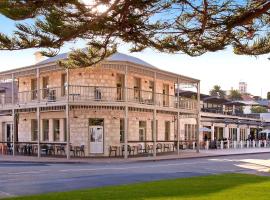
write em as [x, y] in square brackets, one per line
[31, 178]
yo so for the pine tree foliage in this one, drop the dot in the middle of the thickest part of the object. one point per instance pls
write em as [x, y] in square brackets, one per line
[193, 27]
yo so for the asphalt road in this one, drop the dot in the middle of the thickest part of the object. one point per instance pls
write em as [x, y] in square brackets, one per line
[32, 178]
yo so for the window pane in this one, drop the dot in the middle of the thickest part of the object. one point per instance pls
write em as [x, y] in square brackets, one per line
[34, 130]
[45, 124]
[56, 129]
[122, 130]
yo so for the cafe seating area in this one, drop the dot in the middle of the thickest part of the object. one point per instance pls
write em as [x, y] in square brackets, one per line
[141, 149]
[46, 149]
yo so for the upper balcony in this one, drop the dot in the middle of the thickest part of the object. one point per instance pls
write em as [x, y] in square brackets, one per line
[97, 95]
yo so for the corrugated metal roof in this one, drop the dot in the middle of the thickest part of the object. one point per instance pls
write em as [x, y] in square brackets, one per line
[115, 57]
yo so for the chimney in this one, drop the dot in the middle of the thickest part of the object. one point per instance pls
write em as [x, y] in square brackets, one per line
[38, 56]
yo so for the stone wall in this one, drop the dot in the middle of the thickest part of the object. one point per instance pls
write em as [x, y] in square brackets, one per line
[94, 77]
[79, 126]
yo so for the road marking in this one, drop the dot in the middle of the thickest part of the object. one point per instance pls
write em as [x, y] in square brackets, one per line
[27, 172]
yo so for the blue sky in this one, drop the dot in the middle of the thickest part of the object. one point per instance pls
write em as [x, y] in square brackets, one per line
[222, 68]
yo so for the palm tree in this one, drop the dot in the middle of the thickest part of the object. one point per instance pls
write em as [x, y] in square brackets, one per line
[235, 95]
[217, 91]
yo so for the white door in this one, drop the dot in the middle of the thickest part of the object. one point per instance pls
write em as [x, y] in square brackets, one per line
[96, 139]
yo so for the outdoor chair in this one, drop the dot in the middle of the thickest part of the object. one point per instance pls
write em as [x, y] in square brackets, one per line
[113, 149]
[166, 147]
[50, 149]
[159, 147]
[129, 148]
[9, 149]
[71, 149]
[140, 149]
[149, 148]
[81, 151]
[44, 149]
[60, 149]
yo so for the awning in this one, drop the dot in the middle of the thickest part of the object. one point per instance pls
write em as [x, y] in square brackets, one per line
[204, 129]
[215, 100]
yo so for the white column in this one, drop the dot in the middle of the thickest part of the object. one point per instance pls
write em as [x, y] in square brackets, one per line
[126, 115]
[41, 130]
[248, 131]
[13, 115]
[38, 130]
[51, 139]
[238, 134]
[221, 144]
[68, 117]
[62, 129]
[38, 112]
[226, 131]
[198, 118]
[178, 118]
[212, 132]
[155, 119]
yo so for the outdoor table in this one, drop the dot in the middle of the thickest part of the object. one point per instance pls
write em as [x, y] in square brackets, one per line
[74, 94]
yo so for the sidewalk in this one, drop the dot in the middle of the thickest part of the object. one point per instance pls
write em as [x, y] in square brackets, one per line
[183, 155]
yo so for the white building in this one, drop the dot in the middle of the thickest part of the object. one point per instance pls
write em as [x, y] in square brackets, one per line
[242, 87]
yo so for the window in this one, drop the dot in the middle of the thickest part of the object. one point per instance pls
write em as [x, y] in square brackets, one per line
[56, 130]
[122, 130]
[33, 89]
[233, 134]
[34, 130]
[167, 130]
[190, 131]
[45, 85]
[142, 130]
[152, 128]
[65, 129]
[243, 134]
[45, 129]
[63, 84]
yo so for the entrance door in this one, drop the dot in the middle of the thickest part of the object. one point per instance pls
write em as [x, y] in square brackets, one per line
[96, 139]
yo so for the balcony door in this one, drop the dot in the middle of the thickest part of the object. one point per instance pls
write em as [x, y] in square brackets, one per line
[120, 84]
[137, 89]
[45, 86]
[33, 89]
[165, 93]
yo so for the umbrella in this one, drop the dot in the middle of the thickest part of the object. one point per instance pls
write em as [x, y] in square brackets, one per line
[204, 129]
[265, 131]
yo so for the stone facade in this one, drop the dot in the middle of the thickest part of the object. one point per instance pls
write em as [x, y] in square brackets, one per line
[79, 126]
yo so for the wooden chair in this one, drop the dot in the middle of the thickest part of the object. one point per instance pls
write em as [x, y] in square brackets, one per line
[166, 147]
[60, 149]
[113, 149]
[159, 147]
[81, 151]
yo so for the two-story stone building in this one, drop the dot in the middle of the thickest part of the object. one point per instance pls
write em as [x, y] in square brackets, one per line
[121, 102]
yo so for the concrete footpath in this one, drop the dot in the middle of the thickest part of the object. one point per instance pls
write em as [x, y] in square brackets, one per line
[184, 154]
